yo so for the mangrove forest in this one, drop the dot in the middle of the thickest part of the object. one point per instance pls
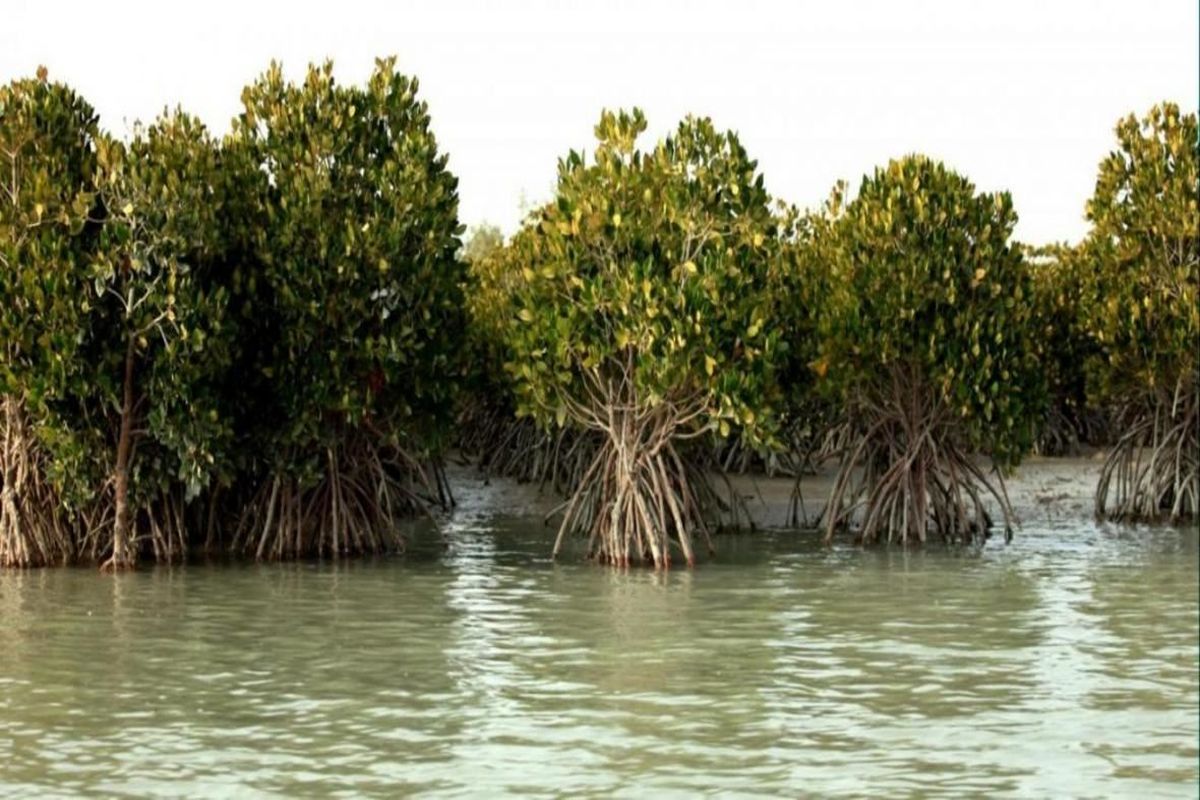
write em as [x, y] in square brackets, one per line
[269, 343]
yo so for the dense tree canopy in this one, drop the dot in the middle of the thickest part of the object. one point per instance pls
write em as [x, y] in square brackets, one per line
[926, 337]
[1145, 247]
[357, 293]
[653, 259]
[929, 280]
[1144, 311]
[641, 314]
[267, 341]
[358, 251]
[48, 160]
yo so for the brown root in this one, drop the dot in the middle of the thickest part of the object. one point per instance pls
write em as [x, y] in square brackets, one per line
[800, 444]
[1152, 473]
[905, 473]
[159, 527]
[353, 507]
[34, 528]
[834, 439]
[639, 500]
[506, 446]
[164, 524]
[1066, 430]
[634, 505]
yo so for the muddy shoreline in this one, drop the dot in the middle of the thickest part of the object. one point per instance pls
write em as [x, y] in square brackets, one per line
[1041, 490]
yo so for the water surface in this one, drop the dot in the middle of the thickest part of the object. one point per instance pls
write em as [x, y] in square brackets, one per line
[1064, 663]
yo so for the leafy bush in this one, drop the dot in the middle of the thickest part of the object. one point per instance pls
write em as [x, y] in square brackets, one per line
[641, 315]
[1063, 283]
[355, 294]
[112, 325]
[926, 341]
[162, 338]
[1144, 248]
[48, 159]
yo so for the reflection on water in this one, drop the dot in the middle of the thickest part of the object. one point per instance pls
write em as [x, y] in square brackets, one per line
[1065, 663]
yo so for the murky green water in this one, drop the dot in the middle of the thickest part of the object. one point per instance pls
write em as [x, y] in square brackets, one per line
[1063, 664]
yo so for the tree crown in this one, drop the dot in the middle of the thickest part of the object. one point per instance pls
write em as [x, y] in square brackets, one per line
[650, 266]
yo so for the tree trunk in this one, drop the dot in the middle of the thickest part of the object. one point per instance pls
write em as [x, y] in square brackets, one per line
[123, 556]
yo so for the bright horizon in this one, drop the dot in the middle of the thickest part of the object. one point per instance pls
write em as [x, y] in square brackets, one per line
[1020, 96]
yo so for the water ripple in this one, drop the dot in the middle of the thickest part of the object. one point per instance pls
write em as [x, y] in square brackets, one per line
[1064, 663]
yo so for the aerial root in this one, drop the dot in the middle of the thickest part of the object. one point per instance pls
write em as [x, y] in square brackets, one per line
[502, 444]
[635, 507]
[1152, 473]
[355, 506]
[905, 473]
[34, 528]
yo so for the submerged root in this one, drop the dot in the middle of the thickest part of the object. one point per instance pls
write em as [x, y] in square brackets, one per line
[1152, 473]
[34, 529]
[639, 500]
[354, 506]
[905, 474]
[636, 504]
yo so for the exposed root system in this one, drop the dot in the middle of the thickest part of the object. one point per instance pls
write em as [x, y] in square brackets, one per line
[639, 501]
[1065, 431]
[905, 473]
[1152, 473]
[165, 525]
[634, 504]
[34, 528]
[503, 445]
[354, 506]
[835, 440]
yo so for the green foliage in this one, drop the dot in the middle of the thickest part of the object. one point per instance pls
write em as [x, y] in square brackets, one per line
[1143, 315]
[1063, 285]
[492, 275]
[923, 276]
[158, 278]
[654, 258]
[48, 159]
[355, 293]
[113, 322]
[1144, 249]
[800, 285]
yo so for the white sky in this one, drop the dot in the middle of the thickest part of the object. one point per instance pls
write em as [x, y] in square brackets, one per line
[1019, 94]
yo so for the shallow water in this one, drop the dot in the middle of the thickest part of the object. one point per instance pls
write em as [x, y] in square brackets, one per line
[1064, 663]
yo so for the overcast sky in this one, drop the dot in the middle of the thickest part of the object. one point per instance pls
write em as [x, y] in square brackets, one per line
[1016, 94]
